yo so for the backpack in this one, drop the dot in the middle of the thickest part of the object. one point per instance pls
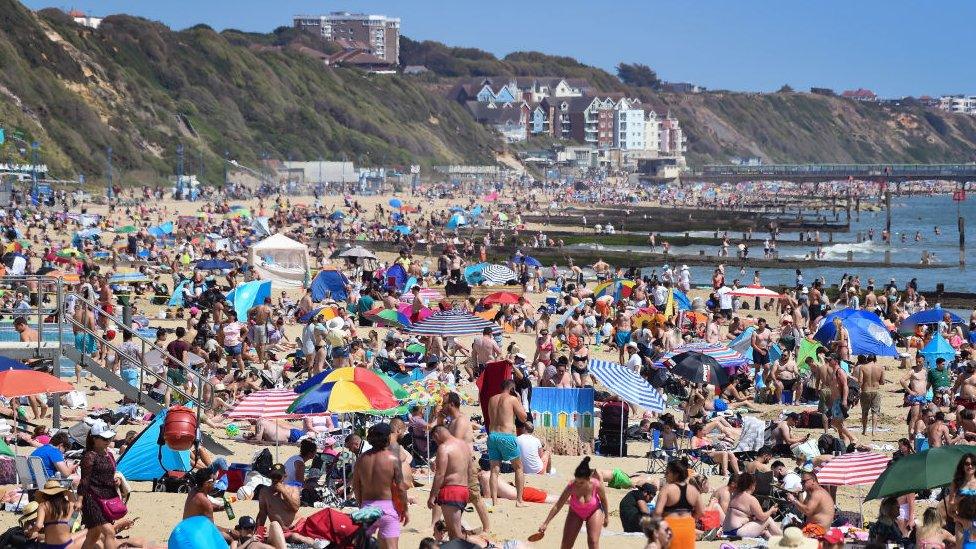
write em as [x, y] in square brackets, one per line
[263, 463]
[853, 392]
[830, 445]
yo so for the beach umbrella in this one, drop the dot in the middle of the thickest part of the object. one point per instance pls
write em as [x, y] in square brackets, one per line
[429, 392]
[699, 368]
[18, 383]
[124, 278]
[395, 202]
[345, 390]
[357, 252]
[808, 349]
[868, 334]
[402, 229]
[497, 275]
[71, 278]
[920, 471]
[619, 289]
[426, 294]
[406, 309]
[247, 295]
[127, 229]
[501, 298]
[11, 364]
[336, 216]
[417, 348]
[319, 314]
[67, 253]
[213, 265]
[727, 358]
[927, 317]
[648, 314]
[853, 469]
[269, 403]
[388, 317]
[625, 382]
[527, 260]
[756, 291]
[452, 322]
[937, 348]
[89, 233]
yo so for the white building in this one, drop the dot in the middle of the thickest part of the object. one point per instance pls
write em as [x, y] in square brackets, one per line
[652, 132]
[958, 104]
[629, 129]
[89, 21]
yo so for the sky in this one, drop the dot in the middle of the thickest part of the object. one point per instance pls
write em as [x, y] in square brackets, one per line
[893, 47]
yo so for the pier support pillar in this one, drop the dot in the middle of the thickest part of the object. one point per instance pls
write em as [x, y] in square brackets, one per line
[850, 256]
[887, 257]
[962, 240]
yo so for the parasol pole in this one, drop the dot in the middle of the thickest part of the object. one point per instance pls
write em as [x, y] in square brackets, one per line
[623, 410]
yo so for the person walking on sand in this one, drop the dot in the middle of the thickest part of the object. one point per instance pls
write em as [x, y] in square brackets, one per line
[837, 383]
[587, 505]
[503, 410]
[450, 486]
[870, 376]
[459, 425]
[377, 481]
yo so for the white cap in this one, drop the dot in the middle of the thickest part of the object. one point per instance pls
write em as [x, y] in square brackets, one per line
[101, 429]
[792, 483]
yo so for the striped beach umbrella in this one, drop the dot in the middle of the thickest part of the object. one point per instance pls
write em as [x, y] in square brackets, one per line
[453, 322]
[270, 403]
[627, 384]
[122, 278]
[756, 291]
[387, 317]
[619, 289]
[498, 275]
[427, 295]
[344, 396]
[727, 358]
[853, 469]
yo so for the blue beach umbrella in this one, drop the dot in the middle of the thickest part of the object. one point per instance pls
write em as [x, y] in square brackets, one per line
[395, 203]
[868, 334]
[527, 260]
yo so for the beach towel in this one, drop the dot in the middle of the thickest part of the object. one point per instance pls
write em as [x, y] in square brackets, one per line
[490, 384]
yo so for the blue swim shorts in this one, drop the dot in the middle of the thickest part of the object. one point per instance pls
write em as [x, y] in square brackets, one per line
[502, 447]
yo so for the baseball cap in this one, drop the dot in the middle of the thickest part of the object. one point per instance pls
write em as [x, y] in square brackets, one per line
[247, 523]
[101, 429]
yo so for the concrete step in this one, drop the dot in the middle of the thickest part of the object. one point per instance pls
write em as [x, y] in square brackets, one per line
[134, 394]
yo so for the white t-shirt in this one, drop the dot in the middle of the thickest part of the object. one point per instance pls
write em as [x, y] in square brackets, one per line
[635, 363]
[529, 446]
[724, 298]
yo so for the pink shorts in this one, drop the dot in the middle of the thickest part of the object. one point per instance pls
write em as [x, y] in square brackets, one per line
[388, 525]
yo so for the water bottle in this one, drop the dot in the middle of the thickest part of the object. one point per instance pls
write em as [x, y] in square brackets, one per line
[228, 508]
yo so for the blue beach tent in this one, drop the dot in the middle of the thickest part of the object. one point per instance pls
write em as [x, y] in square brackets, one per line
[329, 282]
[141, 460]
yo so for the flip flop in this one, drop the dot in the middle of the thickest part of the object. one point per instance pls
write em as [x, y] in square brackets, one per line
[536, 536]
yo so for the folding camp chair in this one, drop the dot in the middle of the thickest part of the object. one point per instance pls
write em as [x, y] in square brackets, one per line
[40, 475]
[27, 484]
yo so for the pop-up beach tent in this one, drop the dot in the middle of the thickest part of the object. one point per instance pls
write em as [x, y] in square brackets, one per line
[937, 348]
[141, 460]
[329, 283]
[280, 259]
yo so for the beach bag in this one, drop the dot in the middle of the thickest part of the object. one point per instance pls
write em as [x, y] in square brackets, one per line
[830, 445]
[112, 508]
[263, 463]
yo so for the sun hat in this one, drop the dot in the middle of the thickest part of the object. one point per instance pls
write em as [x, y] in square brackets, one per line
[335, 323]
[793, 537]
[29, 514]
[52, 488]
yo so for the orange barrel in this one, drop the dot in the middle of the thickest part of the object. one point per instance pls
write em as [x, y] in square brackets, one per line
[180, 428]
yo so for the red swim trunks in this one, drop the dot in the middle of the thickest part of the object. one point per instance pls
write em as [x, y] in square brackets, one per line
[453, 495]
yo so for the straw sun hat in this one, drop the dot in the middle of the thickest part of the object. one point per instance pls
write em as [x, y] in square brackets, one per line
[51, 488]
[793, 537]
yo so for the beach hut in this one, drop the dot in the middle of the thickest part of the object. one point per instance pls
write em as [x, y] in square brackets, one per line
[329, 283]
[280, 259]
[937, 348]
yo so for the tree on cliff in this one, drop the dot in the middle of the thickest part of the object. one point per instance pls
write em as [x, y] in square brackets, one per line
[638, 75]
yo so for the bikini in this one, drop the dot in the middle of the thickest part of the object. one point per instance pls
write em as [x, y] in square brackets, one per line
[682, 505]
[734, 532]
[584, 510]
[56, 545]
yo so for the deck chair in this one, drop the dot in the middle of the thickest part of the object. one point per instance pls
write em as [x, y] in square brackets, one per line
[40, 475]
[27, 484]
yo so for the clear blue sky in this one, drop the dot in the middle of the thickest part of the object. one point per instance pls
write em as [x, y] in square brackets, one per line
[894, 47]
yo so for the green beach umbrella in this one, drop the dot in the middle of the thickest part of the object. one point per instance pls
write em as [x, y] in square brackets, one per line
[922, 471]
[808, 348]
[417, 348]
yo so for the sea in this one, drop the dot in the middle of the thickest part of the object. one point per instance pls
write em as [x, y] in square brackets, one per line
[909, 215]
